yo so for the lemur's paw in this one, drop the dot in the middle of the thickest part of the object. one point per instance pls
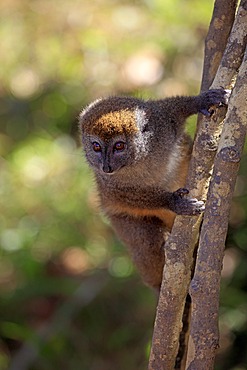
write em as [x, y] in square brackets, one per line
[187, 206]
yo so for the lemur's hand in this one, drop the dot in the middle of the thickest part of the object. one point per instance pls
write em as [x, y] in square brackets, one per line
[214, 97]
[186, 206]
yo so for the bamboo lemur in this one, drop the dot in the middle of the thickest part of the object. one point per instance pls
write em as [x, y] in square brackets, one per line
[140, 153]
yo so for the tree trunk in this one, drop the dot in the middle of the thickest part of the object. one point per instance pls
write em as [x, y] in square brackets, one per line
[205, 285]
[216, 40]
[181, 245]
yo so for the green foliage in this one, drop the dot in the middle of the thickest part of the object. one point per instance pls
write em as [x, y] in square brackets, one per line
[70, 297]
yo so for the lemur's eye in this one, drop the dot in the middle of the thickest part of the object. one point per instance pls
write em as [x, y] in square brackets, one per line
[119, 146]
[96, 147]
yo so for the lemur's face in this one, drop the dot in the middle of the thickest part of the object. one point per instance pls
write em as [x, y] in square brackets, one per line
[113, 133]
[107, 156]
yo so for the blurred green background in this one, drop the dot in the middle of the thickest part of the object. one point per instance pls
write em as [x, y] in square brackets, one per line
[70, 297]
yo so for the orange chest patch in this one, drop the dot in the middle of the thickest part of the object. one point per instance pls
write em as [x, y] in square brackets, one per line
[165, 215]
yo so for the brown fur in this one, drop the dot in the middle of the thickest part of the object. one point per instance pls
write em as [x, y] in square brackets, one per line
[138, 185]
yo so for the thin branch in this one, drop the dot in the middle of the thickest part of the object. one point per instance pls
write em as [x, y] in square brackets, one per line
[180, 246]
[215, 44]
[216, 40]
[205, 286]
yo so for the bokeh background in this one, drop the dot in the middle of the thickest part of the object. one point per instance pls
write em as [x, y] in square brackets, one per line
[70, 296]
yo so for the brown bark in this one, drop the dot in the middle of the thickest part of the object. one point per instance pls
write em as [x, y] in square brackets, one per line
[180, 246]
[205, 286]
[215, 43]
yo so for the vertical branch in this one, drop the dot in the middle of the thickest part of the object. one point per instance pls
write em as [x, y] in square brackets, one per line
[209, 131]
[229, 65]
[215, 44]
[205, 286]
[216, 40]
[180, 246]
